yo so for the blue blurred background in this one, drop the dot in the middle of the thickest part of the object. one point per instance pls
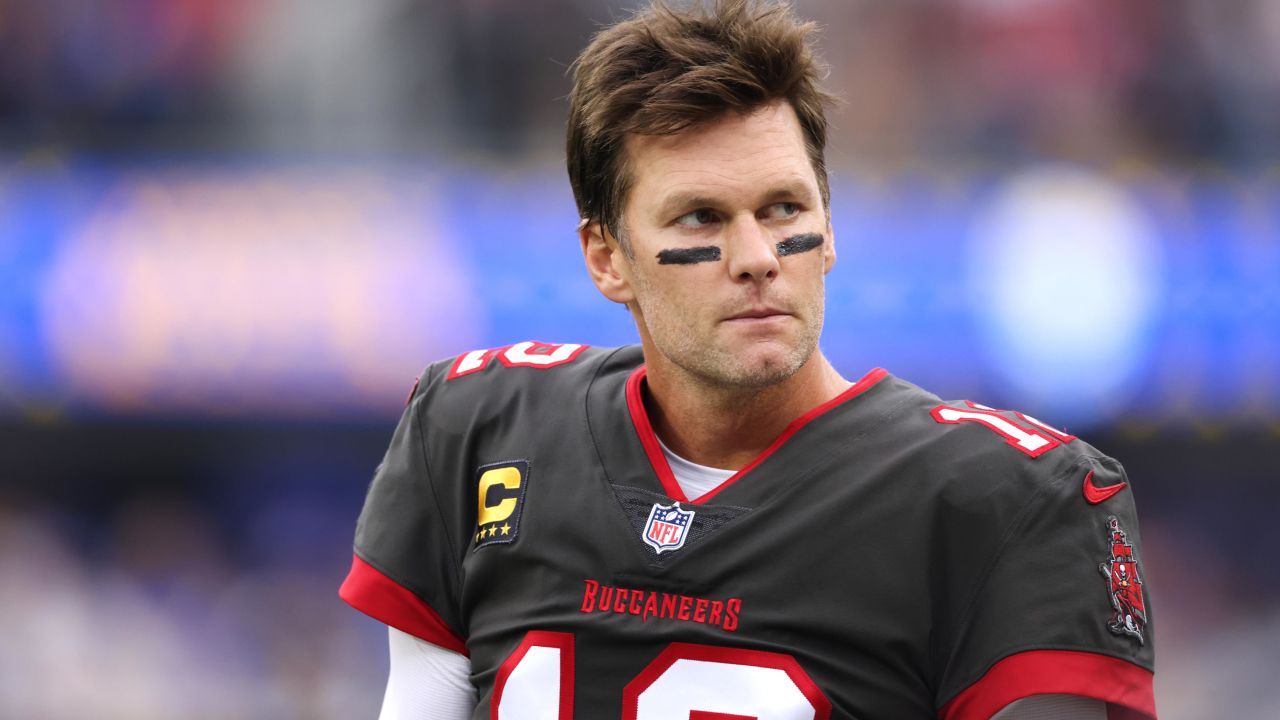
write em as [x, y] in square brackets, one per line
[232, 232]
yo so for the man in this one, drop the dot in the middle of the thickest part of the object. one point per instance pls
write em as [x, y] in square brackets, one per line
[717, 525]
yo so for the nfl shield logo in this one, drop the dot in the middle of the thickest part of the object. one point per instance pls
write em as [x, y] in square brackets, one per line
[667, 528]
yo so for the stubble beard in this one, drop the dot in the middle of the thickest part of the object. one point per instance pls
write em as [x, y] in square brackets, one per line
[723, 369]
[740, 373]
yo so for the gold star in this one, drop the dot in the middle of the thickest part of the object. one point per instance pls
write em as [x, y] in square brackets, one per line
[493, 530]
[506, 529]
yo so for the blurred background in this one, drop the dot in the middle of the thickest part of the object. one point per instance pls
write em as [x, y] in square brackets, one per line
[232, 232]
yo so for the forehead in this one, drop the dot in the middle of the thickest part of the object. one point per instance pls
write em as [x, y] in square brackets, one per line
[735, 156]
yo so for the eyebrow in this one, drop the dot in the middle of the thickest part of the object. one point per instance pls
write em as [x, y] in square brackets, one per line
[683, 202]
[686, 201]
[791, 189]
[689, 256]
[799, 243]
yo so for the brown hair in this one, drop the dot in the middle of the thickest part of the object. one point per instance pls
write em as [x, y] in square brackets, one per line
[665, 70]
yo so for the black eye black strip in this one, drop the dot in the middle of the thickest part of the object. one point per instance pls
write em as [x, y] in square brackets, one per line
[799, 243]
[688, 256]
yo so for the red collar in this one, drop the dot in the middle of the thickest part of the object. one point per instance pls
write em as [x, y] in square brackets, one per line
[649, 439]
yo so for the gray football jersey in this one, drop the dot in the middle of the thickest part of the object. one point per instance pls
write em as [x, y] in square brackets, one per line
[891, 555]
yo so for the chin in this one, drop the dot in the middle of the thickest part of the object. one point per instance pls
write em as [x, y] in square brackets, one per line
[757, 370]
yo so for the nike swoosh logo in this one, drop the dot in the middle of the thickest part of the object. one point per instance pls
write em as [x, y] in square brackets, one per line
[1096, 494]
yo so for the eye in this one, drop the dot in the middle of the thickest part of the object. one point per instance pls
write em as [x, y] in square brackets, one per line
[783, 210]
[697, 219]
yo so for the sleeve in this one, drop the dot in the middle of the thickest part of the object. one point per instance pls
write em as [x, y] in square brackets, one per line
[1054, 707]
[406, 564]
[426, 682]
[1062, 606]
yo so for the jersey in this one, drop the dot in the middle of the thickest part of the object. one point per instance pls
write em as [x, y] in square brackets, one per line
[889, 555]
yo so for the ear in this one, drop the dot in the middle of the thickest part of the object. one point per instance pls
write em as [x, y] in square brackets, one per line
[829, 250]
[607, 265]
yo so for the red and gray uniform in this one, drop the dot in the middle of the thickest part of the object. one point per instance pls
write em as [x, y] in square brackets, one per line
[890, 555]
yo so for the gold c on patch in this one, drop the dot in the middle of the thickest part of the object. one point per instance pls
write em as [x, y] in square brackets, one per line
[500, 494]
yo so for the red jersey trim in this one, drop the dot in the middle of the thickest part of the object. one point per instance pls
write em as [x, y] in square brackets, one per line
[649, 439]
[381, 598]
[561, 641]
[678, 651]
[1068, 672]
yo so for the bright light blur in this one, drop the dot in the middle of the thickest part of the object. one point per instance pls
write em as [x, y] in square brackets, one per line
[232, 233]
[1065, 276]
[255, 292]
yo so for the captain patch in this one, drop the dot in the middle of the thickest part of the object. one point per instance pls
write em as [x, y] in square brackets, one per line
[500, 501]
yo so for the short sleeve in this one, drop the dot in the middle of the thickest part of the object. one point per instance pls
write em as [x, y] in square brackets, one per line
[405, 565]
[1063, 606]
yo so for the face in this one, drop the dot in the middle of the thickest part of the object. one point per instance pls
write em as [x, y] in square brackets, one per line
[729, 245]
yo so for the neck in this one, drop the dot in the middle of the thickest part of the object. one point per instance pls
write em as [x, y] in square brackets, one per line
[728, 427]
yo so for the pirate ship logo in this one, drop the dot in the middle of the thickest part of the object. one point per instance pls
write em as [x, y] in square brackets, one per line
[1129, 611]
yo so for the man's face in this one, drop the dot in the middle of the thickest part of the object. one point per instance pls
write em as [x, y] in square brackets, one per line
[729, 247]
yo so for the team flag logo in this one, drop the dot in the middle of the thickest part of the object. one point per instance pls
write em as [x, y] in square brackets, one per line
[1129, 612]
[667, 527]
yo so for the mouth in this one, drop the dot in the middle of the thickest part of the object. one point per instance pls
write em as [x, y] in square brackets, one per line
[759, 314]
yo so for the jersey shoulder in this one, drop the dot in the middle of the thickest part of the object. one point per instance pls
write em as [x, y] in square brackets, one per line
[512, 380]
[972, 448]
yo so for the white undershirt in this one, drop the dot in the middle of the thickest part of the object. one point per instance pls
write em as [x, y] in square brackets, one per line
[428, 682]
[694, 480]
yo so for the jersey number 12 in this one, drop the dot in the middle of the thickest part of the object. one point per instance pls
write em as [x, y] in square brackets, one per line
[686, 680]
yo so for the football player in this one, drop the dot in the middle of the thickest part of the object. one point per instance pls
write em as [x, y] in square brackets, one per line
[716, 524]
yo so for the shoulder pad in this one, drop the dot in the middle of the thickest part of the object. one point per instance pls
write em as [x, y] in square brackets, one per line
[498, 377]
[1021, 432]
[1008, 443]
[531, 354]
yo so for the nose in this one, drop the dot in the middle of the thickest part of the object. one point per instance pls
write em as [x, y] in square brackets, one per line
[751, 251]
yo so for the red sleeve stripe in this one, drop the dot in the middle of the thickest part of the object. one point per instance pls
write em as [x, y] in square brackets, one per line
[1069, 672]
[381, 598]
